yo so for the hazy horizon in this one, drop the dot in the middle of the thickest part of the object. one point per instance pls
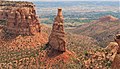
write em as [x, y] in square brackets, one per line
[60, 0]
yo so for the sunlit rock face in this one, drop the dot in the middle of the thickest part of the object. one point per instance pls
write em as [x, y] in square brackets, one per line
[116, 62]
[20, 18]
[57, 39]
[21, 29]
[117, 40]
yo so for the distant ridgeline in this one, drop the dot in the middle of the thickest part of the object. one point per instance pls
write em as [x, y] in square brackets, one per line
[77, 12]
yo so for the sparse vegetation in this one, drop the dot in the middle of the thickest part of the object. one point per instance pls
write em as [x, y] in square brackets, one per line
[84, 42]
[2, 22]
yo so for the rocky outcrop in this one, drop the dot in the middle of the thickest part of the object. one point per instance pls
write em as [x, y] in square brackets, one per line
[112, 50]
[117, 39]
[21, 19]
[104, 58]
[116, 62]
[57, 39]
[20, 26]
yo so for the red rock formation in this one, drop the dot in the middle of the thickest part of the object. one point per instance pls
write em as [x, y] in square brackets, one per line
[117, 39]
[21, 20]
[116, 62]
[112, 48]
[108, 18]
[57, 39]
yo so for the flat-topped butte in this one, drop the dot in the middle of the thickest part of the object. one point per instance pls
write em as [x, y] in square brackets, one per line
[16, 3]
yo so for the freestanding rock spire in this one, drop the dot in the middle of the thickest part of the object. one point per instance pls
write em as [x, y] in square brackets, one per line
[57, 39]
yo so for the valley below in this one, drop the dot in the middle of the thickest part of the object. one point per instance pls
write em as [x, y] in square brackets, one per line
[59, 35]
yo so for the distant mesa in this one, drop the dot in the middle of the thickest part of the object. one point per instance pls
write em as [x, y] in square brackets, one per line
[108, 18]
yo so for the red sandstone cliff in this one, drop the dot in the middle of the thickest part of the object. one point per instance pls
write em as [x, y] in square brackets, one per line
[21, 19]
[22, 28]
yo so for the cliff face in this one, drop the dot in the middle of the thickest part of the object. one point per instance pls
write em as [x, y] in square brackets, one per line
[20, 18]
[116, 62]
[21, 28]
[57, 39]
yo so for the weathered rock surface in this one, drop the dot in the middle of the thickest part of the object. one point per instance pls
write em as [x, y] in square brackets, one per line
[21, 19]
[117, 39]
[116, 62]
[112, 48]
[57, 39]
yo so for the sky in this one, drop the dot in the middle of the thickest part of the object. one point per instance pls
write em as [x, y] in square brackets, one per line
[64, 0]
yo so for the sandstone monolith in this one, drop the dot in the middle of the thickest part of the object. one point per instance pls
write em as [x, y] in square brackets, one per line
[57, 39]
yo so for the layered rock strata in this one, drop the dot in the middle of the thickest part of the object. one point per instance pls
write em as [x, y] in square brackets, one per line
[57, 39]
[20, 19]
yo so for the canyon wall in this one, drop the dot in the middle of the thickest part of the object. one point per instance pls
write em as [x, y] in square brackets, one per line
[20, 18]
